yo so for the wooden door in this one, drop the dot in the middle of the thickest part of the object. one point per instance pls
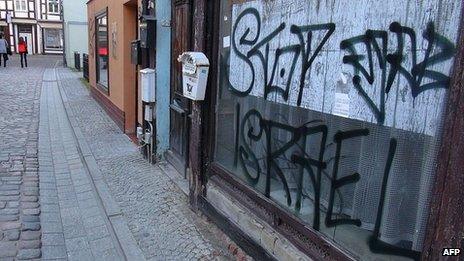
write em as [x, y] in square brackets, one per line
[180, 106]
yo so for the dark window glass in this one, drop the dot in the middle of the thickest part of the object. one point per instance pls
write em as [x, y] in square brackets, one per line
[102, 51]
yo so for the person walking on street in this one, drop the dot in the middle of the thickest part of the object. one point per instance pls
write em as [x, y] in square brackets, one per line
[3, 50]
[22, 49]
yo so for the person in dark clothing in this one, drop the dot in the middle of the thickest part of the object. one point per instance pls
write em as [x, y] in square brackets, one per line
[22, 50]
[3, 50]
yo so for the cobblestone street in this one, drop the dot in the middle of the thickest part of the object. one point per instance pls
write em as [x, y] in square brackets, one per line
[19, 182]
[98, 198]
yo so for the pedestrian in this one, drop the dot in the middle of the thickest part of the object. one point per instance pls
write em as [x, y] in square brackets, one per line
[3, 50]
[22, 49]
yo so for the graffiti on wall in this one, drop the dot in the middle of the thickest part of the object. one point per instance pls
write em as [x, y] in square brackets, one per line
[92, 36]
[392, 75]
[273, 161]
[394, 72]
[114, 40]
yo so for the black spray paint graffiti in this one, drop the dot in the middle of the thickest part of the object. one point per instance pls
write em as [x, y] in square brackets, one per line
[303, 49]
[253, 128]
[392, 64]
[375, 43]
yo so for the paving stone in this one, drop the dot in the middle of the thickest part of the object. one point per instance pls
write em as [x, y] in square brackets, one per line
[10, 225]
[9, 211]
[29, 244]
[77, 244]
[29, 205]
[83, 254]
[7, 249]
[31, 193]
[4, 218]
[27, 218]
[49, 207]
[53, 252]
[94, 221]
[26, 254]
[31, 212]
[29, 199]
[9, 192]
[31, 235]
[55, 239]
[12, 235]
[9, 187]
[30, 226]
[9, 198]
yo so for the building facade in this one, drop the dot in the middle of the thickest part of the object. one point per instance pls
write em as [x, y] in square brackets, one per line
[39, 22]
[329, 131]
[113, 27]
[75, 29]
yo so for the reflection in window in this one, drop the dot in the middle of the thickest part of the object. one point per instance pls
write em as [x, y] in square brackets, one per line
[53, 38]
[102, 50]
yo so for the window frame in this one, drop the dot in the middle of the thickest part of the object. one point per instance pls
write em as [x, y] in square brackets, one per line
[104, 88]
[19, 4]
[54, 3]
[60, 34]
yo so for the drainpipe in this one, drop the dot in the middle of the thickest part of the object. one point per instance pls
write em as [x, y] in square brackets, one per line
[64, 34]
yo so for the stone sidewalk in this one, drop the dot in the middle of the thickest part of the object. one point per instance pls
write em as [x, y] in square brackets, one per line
[154, 208]
[75, 225]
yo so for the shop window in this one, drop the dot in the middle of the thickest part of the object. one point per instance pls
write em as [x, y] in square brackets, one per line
[21, 5]
[317, 116]
[53, 6]
[102, 51]
[53, 39]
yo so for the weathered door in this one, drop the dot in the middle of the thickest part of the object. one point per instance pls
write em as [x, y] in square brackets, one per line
[180, 106]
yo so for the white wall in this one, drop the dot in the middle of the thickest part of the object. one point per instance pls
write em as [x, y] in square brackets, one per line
[75, 29]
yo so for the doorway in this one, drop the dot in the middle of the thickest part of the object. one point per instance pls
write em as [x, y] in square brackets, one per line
[131, 101]
[179, 106]
[25, 31]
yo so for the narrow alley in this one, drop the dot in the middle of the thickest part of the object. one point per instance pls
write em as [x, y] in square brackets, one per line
[99, 199]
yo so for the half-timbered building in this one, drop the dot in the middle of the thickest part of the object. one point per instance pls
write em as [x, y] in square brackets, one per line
[39, 22]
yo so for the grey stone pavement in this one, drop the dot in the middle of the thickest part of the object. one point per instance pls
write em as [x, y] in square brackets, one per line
[99, 199]
[20, 230]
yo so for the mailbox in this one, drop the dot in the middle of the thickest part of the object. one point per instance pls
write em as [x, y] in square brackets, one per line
[136, 57]
[195, 69]
[147, 31]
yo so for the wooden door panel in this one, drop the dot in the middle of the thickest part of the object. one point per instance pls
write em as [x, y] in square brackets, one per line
[180, 106]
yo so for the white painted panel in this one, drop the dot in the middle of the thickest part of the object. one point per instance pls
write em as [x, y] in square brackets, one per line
[322, 81]
[21, 15]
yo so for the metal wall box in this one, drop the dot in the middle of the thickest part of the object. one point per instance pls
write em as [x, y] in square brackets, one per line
[148, 82]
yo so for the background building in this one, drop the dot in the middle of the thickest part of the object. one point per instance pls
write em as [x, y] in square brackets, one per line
[37, 21]
[75, 29]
